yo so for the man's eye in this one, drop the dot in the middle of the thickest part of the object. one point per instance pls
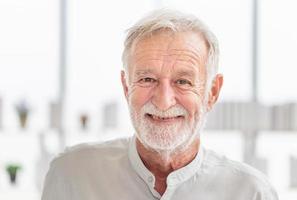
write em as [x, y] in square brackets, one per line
[147, 80]
[183, 82]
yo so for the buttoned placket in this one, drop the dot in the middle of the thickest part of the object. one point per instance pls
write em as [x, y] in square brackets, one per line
[174, 179]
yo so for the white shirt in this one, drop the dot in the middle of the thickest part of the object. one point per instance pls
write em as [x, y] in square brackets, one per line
[114, 171]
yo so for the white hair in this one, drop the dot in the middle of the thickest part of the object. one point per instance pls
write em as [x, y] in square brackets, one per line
[174, 21]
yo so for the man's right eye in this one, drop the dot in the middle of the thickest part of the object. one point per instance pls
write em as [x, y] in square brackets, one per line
[147, 80]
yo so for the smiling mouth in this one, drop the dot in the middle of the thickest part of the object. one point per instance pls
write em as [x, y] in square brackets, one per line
[163, 119]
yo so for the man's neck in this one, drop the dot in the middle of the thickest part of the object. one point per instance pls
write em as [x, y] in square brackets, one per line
[161, 167]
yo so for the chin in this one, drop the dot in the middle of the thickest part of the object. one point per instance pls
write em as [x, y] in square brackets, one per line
[154, 143]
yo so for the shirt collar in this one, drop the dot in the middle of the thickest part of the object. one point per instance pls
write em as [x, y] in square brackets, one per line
[174, 178]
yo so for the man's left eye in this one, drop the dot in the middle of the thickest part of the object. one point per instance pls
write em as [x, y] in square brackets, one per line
[183, 82]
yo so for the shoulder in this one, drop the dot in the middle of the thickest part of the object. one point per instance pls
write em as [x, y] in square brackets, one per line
[238, 175]
[82, 164]
[216, 160]
[86, 153]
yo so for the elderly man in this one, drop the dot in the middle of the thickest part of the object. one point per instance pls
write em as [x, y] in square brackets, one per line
[170, 81]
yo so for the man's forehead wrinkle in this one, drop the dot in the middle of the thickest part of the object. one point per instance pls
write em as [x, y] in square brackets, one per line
[187, 52]
[145, 62]
[145, 66]
[140, 51]
[187, 59]
[182, 55]
[150, 53]
[195, 54]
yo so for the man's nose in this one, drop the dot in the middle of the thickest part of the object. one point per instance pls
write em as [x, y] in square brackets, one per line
[164, 95]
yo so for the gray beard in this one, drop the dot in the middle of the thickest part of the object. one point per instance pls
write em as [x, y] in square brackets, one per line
[167, 140]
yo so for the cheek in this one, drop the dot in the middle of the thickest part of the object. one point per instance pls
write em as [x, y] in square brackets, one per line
[139, 97]
[191, 103]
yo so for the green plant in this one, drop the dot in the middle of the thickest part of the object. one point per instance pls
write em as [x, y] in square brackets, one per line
[12, 170]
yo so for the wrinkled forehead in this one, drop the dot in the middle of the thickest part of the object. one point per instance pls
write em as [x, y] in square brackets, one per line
[185, 47]
[187, 39]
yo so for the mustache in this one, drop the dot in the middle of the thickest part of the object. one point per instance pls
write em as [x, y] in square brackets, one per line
[175, 111]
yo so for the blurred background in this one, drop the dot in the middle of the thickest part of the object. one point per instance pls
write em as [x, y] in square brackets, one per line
[60, 63]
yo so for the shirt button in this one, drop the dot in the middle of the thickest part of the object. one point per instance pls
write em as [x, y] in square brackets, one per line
[150, 179]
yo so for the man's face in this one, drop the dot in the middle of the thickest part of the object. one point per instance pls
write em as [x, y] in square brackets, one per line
[166, 89]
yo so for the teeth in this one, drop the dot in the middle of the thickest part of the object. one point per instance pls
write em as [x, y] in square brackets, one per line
[162, 118]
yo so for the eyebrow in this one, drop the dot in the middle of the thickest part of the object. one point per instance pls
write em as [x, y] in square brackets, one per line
[189, 73]
[143, 72]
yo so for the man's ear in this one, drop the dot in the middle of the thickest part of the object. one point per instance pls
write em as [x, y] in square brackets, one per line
[214, 91]
[124, 83]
